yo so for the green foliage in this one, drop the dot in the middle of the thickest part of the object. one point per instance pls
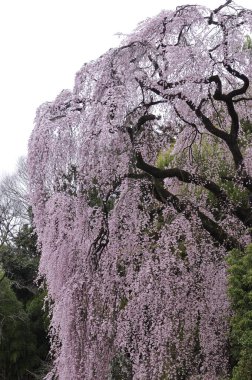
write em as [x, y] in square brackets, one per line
[213, 151]
[247, 129]
[210, 150]
[248, 43]
[240, 291]
[24, 344]
[39, 323]
[181, 249]
[123, 303]
[17, 342]
[121, 268]
[121, 368]
[240, 263]
[26, 241]
[235, 193]
[165, 158]
[94, 198]
[245, 138]
[20, 263]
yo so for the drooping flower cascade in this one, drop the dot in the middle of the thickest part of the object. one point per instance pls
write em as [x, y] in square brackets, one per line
[140, 183]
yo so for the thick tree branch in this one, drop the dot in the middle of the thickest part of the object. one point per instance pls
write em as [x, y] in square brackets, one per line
[229, 139]
[207, 122]
[239, 91]
[245, 181]
[181, 175]
[243, 214]
[189, 210]
[228, 98]
[244, 99]
[211, 21]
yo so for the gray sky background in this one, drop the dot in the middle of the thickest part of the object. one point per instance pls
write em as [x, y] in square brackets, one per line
[43, 44]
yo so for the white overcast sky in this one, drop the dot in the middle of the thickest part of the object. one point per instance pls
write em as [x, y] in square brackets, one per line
[42, 45]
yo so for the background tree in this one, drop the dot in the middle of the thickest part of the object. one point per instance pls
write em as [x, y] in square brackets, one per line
[23, 335]
[140, 184]
[17, 345]
[24, 321]
[14, 202]
[240, 280]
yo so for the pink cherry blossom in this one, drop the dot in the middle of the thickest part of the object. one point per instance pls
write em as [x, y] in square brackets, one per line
[133, 255]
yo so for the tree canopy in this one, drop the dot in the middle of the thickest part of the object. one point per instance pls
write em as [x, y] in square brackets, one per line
[141, 182]
[24, 344]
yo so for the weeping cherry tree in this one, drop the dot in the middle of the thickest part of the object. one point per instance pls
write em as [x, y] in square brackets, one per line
[141, 182]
